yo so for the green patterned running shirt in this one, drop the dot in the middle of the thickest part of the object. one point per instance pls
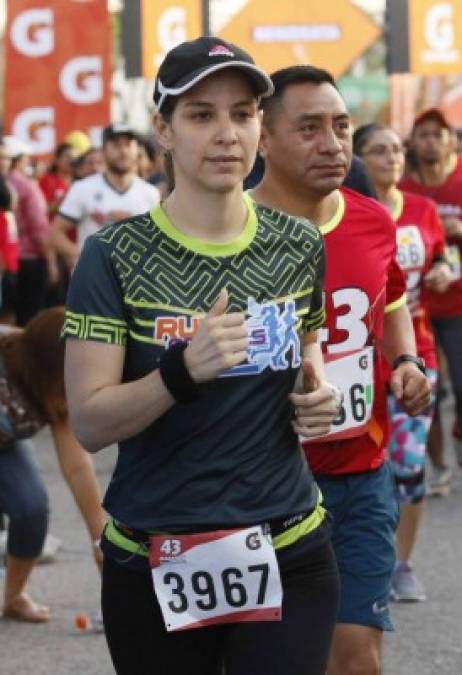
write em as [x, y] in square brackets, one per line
[231, 457]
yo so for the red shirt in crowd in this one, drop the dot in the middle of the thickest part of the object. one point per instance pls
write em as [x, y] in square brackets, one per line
[363, 281]
[420, 237]
[8, 242]
[54, 187]
[448, 197]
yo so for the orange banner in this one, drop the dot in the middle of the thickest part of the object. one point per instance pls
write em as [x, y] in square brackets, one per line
[435, 37]
[57, 55]
[164, 24]
[330, 34]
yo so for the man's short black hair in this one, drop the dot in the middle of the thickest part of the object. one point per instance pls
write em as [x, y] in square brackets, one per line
[285, 77]
[299, 75]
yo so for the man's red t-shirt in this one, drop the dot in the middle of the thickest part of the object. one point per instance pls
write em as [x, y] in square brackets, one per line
[448, 197]
[420, 237]
[363, 281]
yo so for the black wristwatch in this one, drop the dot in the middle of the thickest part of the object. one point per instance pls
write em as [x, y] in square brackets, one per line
[410, 358]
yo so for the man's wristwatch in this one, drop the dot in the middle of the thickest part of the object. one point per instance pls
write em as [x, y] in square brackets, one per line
[410, 358]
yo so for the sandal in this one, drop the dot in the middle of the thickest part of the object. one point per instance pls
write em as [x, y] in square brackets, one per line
[23, 608]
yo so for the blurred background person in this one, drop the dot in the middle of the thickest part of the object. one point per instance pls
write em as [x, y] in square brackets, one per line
[88, 163]
[55, 182]
[32, 396]
[54, 185]
[8, 248]
[431, 144]
[30, 209]
[420, 254]
[105, 197]
[150, 163]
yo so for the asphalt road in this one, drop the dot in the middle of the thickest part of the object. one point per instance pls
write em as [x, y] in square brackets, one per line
[427, 640]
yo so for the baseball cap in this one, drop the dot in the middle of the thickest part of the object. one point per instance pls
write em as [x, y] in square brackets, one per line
[15, 147]
[114, 130]
[78, 140]
[432, 114]
[190, 62]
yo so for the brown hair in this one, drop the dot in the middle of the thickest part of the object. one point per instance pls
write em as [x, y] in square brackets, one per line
[167, 112]
[35, 361]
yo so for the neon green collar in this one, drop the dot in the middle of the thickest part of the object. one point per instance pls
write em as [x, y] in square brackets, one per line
[398, 204]
[202, 246]
[336, 218]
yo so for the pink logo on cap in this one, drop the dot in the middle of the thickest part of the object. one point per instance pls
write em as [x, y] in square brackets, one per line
[220, 50]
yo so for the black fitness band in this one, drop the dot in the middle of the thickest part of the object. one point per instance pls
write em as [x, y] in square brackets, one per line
[176, 376]
[409, 358]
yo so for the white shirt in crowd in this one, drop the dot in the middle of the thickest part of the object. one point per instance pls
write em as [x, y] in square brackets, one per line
[92, 203]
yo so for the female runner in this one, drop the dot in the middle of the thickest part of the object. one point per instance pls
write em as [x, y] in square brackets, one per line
[187, 327]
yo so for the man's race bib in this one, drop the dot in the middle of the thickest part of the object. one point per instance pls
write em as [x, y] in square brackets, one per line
[410, 248]
[228, 576]
[453, 258]
[413, 288]
[353, 374]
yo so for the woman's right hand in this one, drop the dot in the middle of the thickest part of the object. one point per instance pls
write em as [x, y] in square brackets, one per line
[220, 343]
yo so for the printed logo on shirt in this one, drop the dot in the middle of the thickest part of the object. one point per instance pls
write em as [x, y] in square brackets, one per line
[273, 337]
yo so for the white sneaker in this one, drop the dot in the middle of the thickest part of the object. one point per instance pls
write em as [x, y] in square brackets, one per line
[457, 441]
[50, 548]
[440, 485]
[405, 586]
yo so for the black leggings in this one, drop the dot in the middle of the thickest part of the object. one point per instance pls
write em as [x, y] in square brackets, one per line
[298, 645]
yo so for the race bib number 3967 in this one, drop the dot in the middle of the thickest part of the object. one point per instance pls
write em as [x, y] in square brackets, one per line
[227, 576]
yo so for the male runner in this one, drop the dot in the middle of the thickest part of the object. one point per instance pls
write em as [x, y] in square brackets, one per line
[103, 198]
[306, 145]
[431, 143]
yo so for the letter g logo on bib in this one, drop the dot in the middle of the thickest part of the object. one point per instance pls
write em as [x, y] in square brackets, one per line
[227, 576]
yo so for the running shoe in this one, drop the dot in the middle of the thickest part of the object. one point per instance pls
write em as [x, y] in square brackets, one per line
[50, 550]
[457, 440]
[440, 485]
[405, 585]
